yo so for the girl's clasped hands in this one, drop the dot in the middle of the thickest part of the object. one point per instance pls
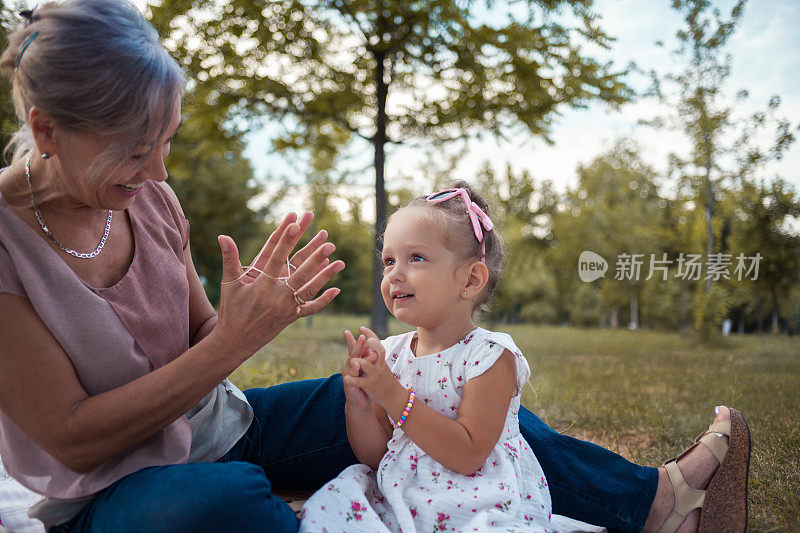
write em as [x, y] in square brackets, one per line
[366, 376]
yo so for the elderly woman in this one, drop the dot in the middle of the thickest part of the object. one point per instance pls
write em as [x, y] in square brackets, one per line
[114, 402]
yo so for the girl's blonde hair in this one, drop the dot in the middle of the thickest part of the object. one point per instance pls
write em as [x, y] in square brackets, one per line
[452, 219]
[95, 66]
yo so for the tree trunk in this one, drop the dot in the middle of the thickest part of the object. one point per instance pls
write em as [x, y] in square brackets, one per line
[378, 315]
[684, 304]
[709, 208]
[634, 308]
[775, 325]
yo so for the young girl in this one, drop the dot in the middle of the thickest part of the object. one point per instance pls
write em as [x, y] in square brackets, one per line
[432, 414]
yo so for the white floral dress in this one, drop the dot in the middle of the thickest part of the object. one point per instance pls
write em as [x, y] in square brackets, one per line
[410, 491]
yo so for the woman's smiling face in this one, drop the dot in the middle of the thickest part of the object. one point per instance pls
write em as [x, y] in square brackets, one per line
[115, 189]
[420, 283]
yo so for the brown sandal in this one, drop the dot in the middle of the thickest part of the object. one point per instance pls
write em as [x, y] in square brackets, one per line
[723, 505]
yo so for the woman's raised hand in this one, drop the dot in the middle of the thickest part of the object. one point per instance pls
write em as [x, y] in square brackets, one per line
[257, 304]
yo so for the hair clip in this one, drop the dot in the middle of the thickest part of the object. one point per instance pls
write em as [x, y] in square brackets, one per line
[476, 215]
[28, 41]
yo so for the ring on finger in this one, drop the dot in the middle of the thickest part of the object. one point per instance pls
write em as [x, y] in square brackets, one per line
[299, 301]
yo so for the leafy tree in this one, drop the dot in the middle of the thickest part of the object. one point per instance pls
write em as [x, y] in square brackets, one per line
[701, 111]
[326, 67]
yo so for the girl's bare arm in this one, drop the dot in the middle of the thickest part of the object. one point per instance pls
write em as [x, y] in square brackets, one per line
[369, 432]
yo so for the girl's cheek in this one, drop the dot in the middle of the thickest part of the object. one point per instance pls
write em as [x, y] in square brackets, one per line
[385, 283]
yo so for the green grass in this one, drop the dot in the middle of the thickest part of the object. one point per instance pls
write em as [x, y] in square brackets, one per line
[642, 394]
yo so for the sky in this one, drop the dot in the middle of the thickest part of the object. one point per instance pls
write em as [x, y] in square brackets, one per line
[766, 61]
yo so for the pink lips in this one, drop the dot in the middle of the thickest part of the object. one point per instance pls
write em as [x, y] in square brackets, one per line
[126, 192]
[404, 298]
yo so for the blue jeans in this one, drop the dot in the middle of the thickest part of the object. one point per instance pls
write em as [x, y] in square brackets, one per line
[298, 441]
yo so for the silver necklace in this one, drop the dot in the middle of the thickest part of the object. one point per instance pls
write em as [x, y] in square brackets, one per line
[46, 230]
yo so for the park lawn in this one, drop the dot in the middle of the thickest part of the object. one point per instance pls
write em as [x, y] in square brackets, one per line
[643, 394]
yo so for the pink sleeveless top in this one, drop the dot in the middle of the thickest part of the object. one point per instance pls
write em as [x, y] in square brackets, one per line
[112, 335]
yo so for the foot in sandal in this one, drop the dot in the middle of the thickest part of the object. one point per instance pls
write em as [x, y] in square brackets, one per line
[711, 475]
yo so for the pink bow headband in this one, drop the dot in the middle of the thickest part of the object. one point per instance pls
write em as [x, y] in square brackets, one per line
[476, 215]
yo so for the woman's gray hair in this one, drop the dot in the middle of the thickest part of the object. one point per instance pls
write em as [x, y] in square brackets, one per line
[95, 66]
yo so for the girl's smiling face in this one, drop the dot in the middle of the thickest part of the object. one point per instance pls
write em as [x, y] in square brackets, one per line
[421, 284]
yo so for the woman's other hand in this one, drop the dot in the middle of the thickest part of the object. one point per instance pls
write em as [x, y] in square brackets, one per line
[255, 307]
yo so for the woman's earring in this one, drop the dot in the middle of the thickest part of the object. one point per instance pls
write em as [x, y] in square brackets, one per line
[45, 156]
[465, 293]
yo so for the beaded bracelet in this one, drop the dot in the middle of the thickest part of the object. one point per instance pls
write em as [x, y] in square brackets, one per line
[406, 410]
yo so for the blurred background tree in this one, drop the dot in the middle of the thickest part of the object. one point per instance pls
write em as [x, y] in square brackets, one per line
[724, 148]
[615, 209]
[760, 226]
[524, 210]
[8, 119]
